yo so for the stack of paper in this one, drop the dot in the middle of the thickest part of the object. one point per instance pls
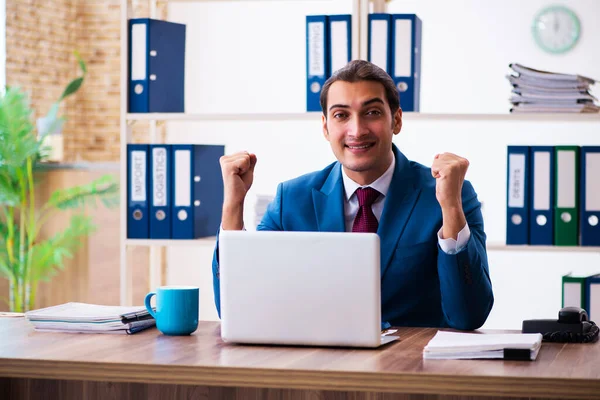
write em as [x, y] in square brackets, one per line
[260, 207]
[542, 91]
[91, 318]
[456, 345]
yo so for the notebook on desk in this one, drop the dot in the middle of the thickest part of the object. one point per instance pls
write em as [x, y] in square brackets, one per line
[301, 288]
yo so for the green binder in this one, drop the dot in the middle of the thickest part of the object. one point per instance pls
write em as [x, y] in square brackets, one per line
[566, 207]
[574, 291]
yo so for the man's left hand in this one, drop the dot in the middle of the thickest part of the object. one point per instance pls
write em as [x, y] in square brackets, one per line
[449, 170]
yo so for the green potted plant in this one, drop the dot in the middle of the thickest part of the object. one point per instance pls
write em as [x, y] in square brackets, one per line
[25, 257]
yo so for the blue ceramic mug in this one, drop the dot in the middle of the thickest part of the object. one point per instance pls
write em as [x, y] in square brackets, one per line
[176, 309]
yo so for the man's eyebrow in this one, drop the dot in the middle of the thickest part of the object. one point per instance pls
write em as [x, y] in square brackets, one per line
[339, 106]
[373, 100]
[364, 104]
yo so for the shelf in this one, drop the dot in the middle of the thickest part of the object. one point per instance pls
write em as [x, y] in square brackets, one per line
[529, 248]
[308, 116]
[171, 242]
[409, 116]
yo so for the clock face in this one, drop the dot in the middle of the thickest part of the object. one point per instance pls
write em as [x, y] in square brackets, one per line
[556, 29]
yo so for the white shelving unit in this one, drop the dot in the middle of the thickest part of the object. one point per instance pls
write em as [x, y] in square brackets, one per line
[361, 8]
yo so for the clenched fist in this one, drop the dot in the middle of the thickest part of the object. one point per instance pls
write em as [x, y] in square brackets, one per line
[449, 170]
[238, 174]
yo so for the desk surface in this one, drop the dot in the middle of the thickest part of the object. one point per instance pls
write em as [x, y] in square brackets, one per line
[561, 370]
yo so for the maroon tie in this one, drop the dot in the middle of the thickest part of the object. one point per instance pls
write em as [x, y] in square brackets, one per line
[365, 220]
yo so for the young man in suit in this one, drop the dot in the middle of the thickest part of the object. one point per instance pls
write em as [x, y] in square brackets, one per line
[433, 255]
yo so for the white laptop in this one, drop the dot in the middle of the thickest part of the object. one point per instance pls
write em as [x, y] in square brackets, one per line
[301, 288]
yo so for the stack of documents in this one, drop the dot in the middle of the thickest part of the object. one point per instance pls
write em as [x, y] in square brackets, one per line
[90, 318]
[457, 345]
[260, 207]
[541, 91]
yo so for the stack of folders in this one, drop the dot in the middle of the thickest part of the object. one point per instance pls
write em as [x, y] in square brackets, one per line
[553, 195]
[174, 191]
[260, 207]
[536, 91]
[582, 291]
[328, 48]
[91, 318]
[458, 345]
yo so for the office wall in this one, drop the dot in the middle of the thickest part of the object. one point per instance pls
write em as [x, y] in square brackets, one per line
[235, 64]
[40, 40]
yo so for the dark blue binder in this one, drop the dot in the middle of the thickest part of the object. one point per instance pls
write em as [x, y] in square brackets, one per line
[156, 66]
[592, 298]
[207, 189]
[137, 191]
[517, 194]
[197, 190]
[541, 198]
[160, 194]
[379, 48]
[590, 196]
[182, 222]
[317, 59]
[340, 42]
[405, 61]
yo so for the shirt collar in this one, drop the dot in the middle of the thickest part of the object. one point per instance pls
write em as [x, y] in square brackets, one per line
[382, 184]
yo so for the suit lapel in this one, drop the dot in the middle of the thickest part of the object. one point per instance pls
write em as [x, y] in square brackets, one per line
[399, 204]
[329, 203]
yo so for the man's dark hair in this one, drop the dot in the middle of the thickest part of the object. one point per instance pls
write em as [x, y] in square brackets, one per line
[361, 70]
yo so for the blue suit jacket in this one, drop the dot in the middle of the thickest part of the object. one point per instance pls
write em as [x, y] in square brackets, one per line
[421, 285]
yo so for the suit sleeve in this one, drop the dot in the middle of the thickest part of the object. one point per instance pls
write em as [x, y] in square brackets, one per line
[271, 222]
[465, 284]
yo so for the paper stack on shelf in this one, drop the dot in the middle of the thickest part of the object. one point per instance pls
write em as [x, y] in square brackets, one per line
[536, 91]
[90, 318]
[260, 207]
[458, 345]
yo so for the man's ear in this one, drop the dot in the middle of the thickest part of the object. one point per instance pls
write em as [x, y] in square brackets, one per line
[397, 124]
[324, 123]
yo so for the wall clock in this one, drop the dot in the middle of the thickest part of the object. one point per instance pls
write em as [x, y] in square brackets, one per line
[556, 29]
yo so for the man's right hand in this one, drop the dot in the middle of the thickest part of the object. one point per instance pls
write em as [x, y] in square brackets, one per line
[238, 174]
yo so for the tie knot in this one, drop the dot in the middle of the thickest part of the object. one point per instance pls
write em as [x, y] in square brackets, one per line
[366, 196]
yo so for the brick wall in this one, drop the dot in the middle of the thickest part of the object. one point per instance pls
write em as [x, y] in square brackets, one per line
[40, 40]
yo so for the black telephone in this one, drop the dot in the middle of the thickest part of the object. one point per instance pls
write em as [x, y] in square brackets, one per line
[572, 326]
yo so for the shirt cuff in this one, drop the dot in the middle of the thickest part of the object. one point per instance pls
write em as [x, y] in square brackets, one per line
[451, 246]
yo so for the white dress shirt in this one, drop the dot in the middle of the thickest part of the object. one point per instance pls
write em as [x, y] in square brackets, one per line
[382, 185]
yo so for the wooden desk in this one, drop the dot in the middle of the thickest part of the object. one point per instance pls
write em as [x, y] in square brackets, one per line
[150, 365]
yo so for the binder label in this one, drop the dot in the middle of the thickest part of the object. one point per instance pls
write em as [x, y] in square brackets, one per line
[159, 176]
[316, 50]
[516, 180]
[339, 44]
[138, 52]
[403, 48]
[138, 176]
[541, 181]
[592, 182]
[565, 179]
[572, 294]
[183, 178]
[379, 43]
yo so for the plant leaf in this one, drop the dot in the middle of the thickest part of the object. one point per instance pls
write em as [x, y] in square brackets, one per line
[81, 62]
[49, 255]
[104, 188]
[8, 193]
[72, 87]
